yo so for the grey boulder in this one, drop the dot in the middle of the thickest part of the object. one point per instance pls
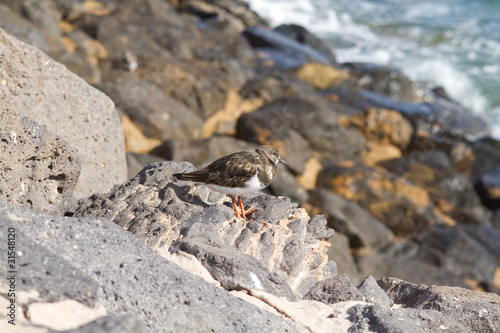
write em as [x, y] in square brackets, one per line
[113, 268]
[36, 86]
[289, 246]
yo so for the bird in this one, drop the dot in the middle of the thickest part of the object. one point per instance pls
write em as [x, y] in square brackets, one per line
[238, 174]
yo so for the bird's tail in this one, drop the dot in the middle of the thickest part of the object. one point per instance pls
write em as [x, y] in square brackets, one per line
[195, 176]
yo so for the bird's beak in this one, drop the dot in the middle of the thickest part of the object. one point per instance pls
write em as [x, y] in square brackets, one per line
[283, 161]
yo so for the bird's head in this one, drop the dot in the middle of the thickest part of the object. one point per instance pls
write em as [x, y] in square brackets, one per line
[272, 153]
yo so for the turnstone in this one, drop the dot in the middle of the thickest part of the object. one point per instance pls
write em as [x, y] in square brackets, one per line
[240, 173]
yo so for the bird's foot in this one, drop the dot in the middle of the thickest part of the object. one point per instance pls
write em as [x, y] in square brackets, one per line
[244, 213]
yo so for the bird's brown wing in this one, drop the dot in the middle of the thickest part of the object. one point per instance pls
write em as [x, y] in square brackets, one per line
[230, 171]
[233, 170]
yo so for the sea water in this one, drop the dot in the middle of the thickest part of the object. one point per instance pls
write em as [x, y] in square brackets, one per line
[450, 43]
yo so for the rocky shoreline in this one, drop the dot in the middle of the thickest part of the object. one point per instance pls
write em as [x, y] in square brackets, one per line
[386, 220]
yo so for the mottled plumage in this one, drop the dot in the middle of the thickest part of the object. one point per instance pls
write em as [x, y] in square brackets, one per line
[240, 173]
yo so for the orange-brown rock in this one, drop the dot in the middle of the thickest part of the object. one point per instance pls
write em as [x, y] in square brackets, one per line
[380, 153]
[308, 178]
[302, 125]
[461, 155]
[135, 141]
[401, 205]
[450, 191]
[385, 127]
[319, 76]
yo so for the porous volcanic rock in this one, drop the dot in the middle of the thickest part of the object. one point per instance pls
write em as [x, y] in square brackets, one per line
[38, 169]
[474, 311]
[36, 86]
[112, 269]
[165, 213]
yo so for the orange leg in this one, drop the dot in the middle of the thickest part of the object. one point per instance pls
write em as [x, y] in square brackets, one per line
[236, 213]
[243, 212]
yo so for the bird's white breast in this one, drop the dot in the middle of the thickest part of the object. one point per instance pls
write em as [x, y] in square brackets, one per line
[252, 185]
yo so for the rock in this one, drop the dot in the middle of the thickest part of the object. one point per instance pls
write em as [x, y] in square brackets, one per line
[423, 308]
[286, 185]
[119, 36]
[429, 113]
[24, 30]
[402, 206]
[303, 36]
[340, 289]
[266, 88]
[340, 252]
[450, 191]
[347, 217]
[263, 128]
[460, 153]
[379, 153]
[38, 169]
[38, 87]
[463, 255]
[199, 86]
[44, 14]
[488, 188]
[387, 81]
[201, 152]
[375, 318]
[234, 13]
[235, 270]
[137, 162]
[462, 157]
[43, 17]
[157, 115]
[319, 76]
[78, 64]
[487, 236]
[63, 315]
[372, 292]
[189, 263]
[402, 292]
[135, 141]
[54, 278]
[187, 60]
[413, 260]
[487, 153]
[313, 316]
[334, 290]
[102, 251]
[194, 63]
[283, 52]
[283, 121]
[308, 178]
[441, 118]
[281, 236]
[83, 54]
[112, 324]
[385, 127]
[465, 309]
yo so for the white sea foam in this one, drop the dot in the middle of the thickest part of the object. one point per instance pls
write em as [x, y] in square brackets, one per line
[456, 46]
